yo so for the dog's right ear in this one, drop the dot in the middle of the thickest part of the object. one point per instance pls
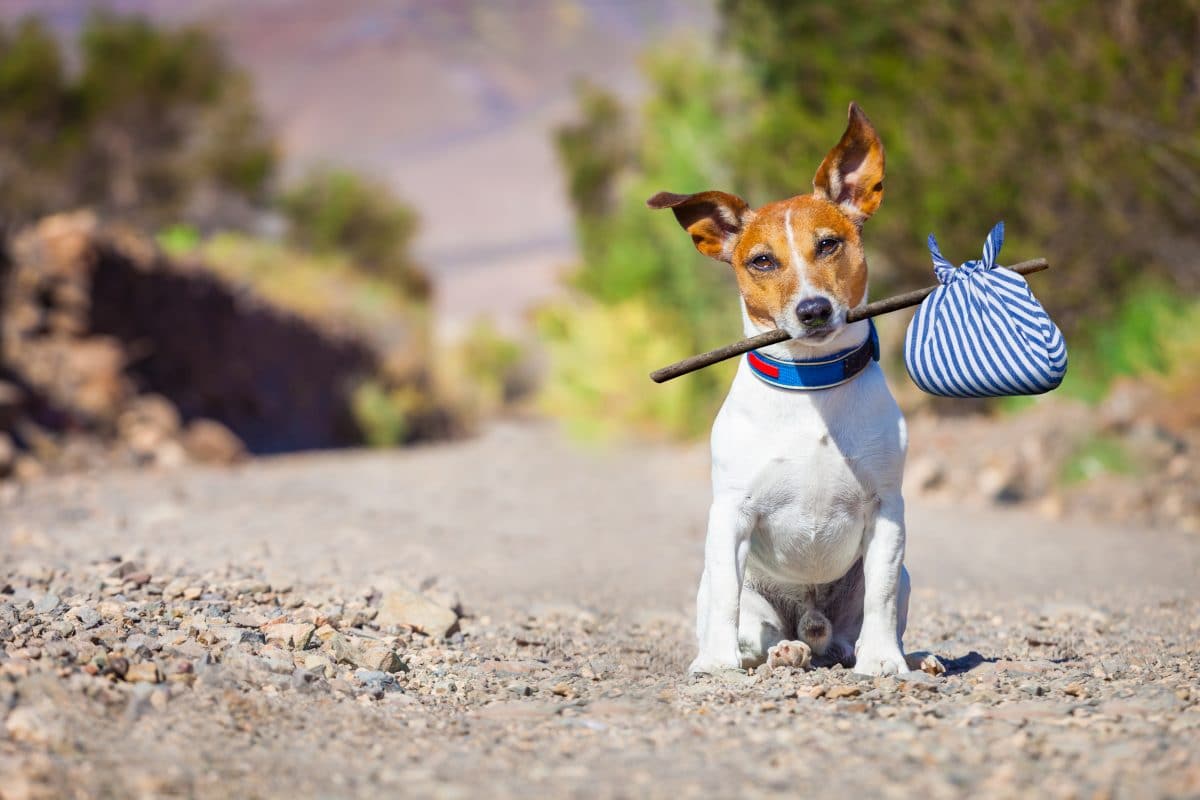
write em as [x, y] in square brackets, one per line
[714, 219]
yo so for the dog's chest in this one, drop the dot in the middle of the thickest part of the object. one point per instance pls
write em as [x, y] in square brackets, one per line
[809, 470]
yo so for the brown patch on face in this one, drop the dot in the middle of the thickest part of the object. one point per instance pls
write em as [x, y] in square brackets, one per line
[840, 275]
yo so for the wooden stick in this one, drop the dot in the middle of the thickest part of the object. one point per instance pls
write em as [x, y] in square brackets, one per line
[896, 303]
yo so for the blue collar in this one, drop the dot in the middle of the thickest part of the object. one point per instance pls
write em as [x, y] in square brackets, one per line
[820, 373]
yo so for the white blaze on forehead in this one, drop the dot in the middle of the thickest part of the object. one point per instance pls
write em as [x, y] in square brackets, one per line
[798, 263]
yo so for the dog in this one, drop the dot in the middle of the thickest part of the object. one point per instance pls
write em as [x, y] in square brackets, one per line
[804, 554]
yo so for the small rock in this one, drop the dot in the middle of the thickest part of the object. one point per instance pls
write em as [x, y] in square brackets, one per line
[925, 474]
[838, 692]
[116, 665]
[293, 635]
[145, 672]
[110, 609]
[319, 663]
[340, 649]
[210, 442]
[278, 660]
[34, 725]
[303, 678]
[920, 681]
[248, 619]
[47, 604]
[383, 659]
[174, 588]
[405, 607]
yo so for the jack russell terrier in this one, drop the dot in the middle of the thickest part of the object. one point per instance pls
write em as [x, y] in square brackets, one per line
[804, 556]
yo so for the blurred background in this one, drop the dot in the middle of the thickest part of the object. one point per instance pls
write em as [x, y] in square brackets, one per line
[238, 229]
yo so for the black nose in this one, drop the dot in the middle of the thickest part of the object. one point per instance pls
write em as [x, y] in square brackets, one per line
[814, 312]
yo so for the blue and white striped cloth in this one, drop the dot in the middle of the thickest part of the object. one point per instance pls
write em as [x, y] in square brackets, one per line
[982, 333]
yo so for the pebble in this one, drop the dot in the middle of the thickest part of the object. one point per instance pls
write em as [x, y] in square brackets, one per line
[47, 604]
[144, 672]
[293, 635]
[409, 608]
[382, 659]
[595, 674]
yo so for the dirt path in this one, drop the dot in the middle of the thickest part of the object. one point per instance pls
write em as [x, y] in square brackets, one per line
[1072, 647]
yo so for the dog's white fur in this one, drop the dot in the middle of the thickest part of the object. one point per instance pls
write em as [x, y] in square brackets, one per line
[803, 559]
[805, 484]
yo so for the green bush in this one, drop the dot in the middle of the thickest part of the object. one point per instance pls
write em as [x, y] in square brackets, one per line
[1074, 122]
[154, 126]
[380, 413]
[1154, 335]
[651, 298]
[338, 211]
[601, 355]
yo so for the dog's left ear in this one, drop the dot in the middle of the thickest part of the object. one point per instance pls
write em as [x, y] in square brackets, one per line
[714, 219]
[851, 176]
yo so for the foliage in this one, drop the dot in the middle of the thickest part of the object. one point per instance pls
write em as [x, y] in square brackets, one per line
[1154, 336]
[324, 288]
[485, 372]
[601, 355]
[1075, 122]
[338, 211]
[380, 413]
[1099, 455]
[656, 298]
[154, 126]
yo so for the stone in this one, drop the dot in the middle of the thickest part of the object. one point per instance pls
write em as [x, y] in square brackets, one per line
[293, 635]
[47, 604]
[88, 617]
[110, 609]
[405, 607]
[210, 442]
[319, 663]
[34, 725]
[381, 658]
[174, 588]
[144, 672]
[278, 660]
[839, 692]
[339, 649]
[304, 678]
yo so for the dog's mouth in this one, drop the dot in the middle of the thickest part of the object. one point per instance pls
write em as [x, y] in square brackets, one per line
[816, 334]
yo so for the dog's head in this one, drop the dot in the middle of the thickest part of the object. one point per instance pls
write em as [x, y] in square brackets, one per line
[799, 262]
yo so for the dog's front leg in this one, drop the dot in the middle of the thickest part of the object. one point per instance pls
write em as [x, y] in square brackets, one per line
[879, 649]
[725, 549]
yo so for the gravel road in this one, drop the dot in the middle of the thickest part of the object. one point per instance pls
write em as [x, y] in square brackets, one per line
[254, 632]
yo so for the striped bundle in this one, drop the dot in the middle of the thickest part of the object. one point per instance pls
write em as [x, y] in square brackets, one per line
[982, 333]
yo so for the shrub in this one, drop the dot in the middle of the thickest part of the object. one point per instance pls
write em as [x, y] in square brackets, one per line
[338, 211]
[156, 125]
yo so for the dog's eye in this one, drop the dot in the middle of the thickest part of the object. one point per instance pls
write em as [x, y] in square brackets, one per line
[828, 246]
[763, 262]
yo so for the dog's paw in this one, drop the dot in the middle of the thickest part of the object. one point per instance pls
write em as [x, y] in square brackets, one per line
[925, 662]
[869, 660]
[797, 655]
[703, 665]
